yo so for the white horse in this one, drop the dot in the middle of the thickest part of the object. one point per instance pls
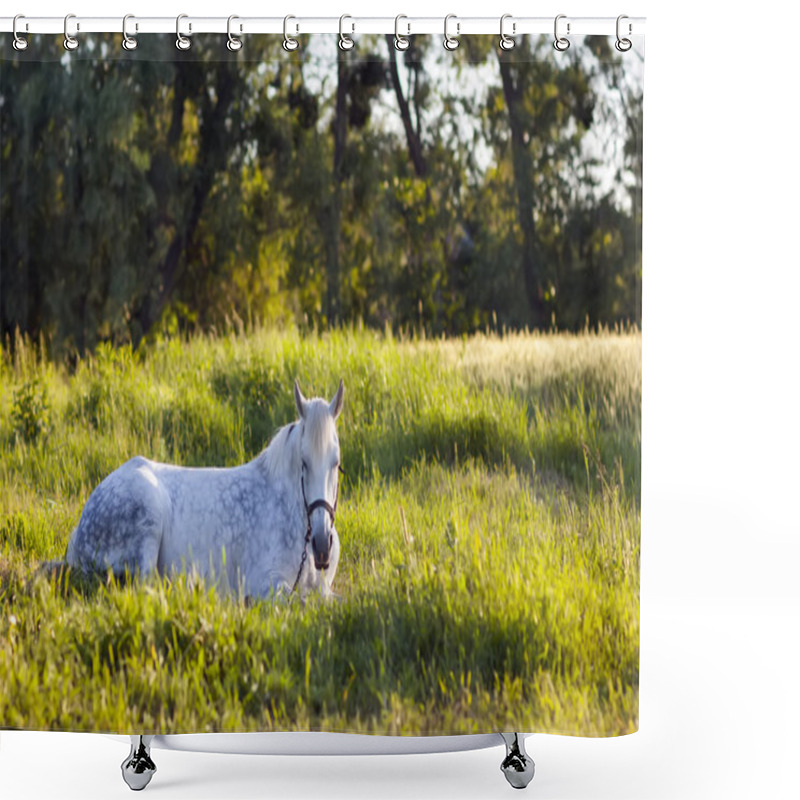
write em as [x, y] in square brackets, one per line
[247, 527]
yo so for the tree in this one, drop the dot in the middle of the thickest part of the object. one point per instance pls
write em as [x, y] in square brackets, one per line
[217, 135]
[412, 132]
[142, 195]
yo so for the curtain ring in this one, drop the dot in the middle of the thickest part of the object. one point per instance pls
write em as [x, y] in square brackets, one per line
[345, 42]
[234, 42]
[450, 42]
[20, 43]
[623, 45]
[182, 42]
[128, 42]
[70, 42]
[560, 43]
[289, 44]
[506, 42]
[401, 43]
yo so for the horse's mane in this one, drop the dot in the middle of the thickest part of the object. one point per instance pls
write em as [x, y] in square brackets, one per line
[281, 456]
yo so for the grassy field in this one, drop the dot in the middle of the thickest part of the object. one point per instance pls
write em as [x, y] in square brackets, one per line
[489, 522]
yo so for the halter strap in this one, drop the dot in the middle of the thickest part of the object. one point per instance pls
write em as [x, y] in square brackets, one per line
[322, 504]
[331, 509]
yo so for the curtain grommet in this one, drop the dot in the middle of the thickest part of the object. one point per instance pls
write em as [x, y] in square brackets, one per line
[451, 42]
[182, 42]
[20, 43]
[561, 43]
[289, 44]
[234, 43]
[346, 42]
[623, 44]
[507, 42]
[128, 42]
[70, 42]
[401, 43]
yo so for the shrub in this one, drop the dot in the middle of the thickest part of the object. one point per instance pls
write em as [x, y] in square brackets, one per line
[30, 410]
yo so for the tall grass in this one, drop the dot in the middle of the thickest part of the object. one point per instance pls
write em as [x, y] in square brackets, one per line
[489, 522]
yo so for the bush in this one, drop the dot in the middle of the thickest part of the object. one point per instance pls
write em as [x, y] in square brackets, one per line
[30, 411]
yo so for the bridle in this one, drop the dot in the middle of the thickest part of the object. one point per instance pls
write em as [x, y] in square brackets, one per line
[310, 508]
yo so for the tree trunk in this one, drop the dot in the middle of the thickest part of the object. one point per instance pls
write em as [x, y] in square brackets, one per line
[334, 215]
[412, 136]
[523, 183]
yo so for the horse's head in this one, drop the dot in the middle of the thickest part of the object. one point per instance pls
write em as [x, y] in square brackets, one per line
[319, 450]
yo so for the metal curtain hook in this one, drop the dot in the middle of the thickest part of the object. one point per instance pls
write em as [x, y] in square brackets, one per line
[234, 42]
[401, 42]
[70, 42]
[560, 43]
[450, 42]
[182, 42]
[623, 45]
[506, 42]
[20, 42]
[128, 42]
[345, 42]
[289, 44]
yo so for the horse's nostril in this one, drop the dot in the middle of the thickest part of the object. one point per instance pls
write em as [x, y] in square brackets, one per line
[330, 541]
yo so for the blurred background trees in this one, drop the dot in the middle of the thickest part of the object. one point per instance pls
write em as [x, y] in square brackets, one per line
[154, 191]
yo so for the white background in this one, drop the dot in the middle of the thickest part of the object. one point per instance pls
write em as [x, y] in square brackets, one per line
[720, 614]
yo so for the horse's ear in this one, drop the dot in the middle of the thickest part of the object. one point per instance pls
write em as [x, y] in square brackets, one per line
[299, 400]
[338, 401]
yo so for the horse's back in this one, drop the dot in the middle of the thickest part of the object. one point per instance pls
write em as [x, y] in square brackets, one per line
[223, 522]
[123, 521]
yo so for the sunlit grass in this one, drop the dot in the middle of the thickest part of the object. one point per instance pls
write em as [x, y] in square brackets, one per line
[489, 522]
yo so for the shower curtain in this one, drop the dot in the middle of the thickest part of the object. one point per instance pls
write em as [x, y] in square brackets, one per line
[452, 233]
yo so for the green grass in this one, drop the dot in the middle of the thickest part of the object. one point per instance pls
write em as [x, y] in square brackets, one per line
[489, 523]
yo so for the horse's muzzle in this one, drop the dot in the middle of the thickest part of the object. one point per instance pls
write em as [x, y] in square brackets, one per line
[320, 564]
[322, 558]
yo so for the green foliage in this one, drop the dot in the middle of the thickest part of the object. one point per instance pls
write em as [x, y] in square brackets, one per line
[135, 202]
[489, 523]
[30, 410]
